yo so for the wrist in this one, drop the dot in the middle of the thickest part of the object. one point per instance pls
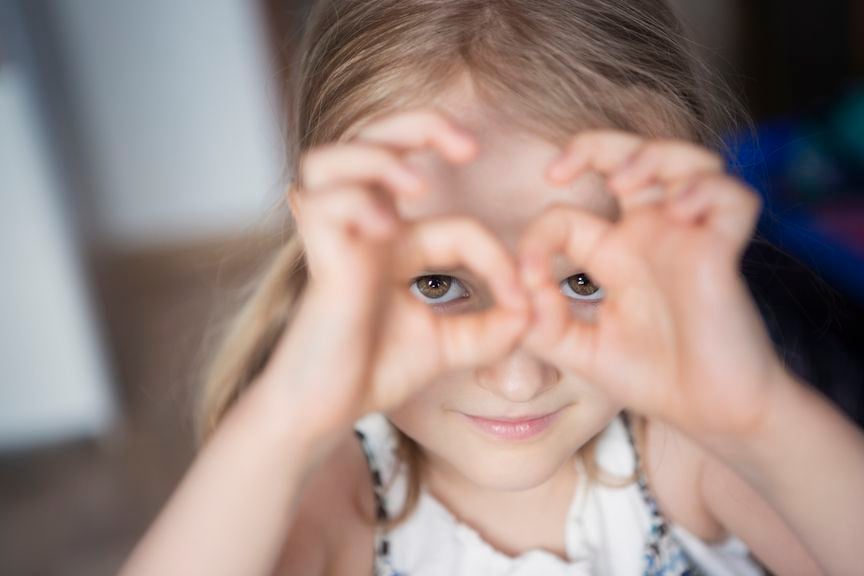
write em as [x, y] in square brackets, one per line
[789, 407]
[280, 423]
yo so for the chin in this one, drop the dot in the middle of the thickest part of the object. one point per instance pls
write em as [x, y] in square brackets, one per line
[506, 469]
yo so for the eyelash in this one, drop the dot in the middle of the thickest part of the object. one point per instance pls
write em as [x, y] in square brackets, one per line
[595, 297]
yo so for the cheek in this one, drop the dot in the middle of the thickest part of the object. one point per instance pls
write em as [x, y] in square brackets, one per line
[422, 413]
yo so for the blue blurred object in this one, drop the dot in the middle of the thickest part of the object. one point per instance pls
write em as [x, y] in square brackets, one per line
[810, 174]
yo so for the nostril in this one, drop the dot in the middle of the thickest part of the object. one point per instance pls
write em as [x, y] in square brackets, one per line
[517, 379]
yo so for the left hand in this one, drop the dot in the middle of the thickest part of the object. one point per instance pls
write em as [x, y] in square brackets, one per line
[678, 336]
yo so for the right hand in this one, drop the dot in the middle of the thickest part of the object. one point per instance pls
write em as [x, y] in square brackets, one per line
[361, 342]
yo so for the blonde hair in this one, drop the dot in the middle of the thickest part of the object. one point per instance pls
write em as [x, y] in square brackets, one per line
[553, 68]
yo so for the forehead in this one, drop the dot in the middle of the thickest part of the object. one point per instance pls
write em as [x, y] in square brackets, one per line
[504, 186]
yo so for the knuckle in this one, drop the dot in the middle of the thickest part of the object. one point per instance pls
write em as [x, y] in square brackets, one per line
[430, 117]
[575, 143]
[463, 223]
[378, 159]
[710, 159]
[650, 151]
[436, 117]
[383, 160]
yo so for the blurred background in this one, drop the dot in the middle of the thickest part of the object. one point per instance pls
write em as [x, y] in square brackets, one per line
[141, 159]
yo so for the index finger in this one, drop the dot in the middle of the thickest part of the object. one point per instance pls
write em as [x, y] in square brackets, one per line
[563, 229]
[416, 129]
[449, 242]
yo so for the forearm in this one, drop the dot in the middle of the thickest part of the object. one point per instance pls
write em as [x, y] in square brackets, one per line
[807, 460]
[233, 509]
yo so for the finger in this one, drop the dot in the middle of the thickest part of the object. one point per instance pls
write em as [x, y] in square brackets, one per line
[451, 242]
[458, 241]
[478, 338]
[416, 129]
[561, 229]
[578, 235]
[665, 161]
[602, 151]
[345, 210]
[551, 319]
[347, 234]
[723, 202]
[335, 164]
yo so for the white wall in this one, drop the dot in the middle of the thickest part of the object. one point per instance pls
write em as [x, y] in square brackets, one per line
[175, 129]
[177, 108]
[53, 383]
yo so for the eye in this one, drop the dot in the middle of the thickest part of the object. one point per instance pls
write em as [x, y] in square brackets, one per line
[434, 289]
[580, 288]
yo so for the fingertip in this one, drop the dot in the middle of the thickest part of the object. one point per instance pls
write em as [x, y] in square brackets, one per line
[556, 172]
[531, 271]
[464, 148]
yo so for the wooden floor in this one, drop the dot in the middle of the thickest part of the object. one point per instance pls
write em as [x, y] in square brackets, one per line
[77, 509]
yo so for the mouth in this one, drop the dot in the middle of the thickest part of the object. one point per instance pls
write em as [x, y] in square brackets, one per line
[509, 428]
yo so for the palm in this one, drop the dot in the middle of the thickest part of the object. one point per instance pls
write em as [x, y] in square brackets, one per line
[678, 336]
[690, 352]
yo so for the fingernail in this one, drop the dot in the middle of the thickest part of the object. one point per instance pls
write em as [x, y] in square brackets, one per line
[467, 148]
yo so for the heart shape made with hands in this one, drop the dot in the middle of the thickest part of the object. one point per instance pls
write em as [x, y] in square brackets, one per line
[675, 312]
[668, 266]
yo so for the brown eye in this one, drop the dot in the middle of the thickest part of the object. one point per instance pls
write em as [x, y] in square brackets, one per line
[433, 288]
[580, 287]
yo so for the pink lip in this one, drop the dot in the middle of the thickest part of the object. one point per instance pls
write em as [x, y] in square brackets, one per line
[514, 429]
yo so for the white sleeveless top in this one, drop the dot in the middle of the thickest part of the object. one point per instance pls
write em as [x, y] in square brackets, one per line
[609, 531]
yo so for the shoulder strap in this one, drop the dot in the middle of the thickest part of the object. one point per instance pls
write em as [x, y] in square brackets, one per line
[377, 484]
[376, 438]
[663, 554]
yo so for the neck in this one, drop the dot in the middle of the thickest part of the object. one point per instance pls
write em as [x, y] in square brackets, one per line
[512, 521]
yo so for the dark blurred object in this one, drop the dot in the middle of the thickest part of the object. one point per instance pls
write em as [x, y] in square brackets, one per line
[807, 271]
[802, 69]
[797, 55]
[817, 330]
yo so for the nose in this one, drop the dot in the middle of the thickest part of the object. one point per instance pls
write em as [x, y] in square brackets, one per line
[519, 377]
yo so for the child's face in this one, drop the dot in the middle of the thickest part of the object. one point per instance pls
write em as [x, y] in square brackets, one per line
[504, 188]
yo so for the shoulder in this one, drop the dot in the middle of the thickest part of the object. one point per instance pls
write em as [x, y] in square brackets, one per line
[330, 533]
[707, 497]
[674, 467]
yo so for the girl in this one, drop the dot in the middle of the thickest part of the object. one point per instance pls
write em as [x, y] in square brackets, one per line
[509, 334]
